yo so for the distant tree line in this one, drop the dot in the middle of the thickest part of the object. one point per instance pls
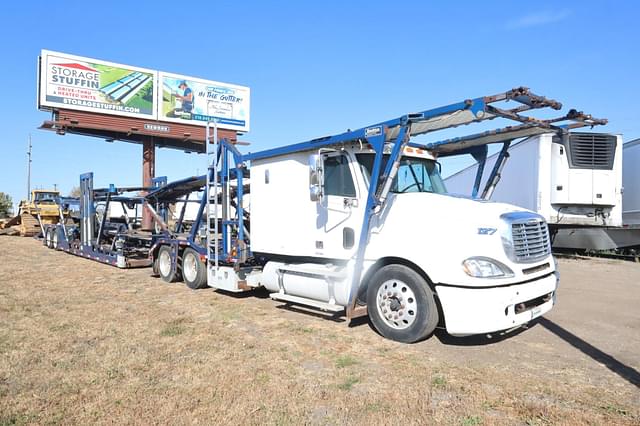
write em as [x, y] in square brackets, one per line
[6, 205]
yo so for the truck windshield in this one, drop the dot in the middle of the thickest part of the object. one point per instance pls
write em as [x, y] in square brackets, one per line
[414, 174]
[45, 196]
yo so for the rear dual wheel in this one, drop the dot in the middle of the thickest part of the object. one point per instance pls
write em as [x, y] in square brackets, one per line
[164, 266]
[194, 271]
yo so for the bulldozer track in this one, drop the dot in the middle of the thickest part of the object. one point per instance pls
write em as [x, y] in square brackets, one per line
[29, 225]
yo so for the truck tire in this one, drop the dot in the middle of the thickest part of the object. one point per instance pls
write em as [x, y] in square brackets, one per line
[401, 304]
[194, 271]
[164, 267]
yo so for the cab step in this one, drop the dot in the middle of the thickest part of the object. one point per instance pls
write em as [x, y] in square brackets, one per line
[330, 307]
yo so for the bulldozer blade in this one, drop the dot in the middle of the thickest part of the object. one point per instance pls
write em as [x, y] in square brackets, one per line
[13, 221]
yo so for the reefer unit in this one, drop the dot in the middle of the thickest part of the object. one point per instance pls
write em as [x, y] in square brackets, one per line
[571, 180]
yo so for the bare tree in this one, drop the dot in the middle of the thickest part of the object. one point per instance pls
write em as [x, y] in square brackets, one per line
[75, 192]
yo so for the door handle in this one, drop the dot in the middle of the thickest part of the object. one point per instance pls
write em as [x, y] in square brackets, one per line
[350, 202]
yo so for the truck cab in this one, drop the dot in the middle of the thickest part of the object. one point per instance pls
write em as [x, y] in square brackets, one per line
[431, 258]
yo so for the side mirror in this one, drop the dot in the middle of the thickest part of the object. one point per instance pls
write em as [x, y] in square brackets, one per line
[316, 177]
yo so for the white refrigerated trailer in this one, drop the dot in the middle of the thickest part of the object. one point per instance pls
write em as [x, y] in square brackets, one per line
[573, 180]
[570, 180]
[627, 238]
[631, 182]
[361, 223]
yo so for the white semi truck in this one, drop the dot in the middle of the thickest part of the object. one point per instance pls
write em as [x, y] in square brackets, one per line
[361, 223]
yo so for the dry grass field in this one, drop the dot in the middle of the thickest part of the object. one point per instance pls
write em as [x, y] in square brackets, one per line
[84, 343]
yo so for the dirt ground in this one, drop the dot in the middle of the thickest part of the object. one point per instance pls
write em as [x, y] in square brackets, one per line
[82, 342]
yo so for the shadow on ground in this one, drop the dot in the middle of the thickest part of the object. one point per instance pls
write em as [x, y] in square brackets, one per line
[626, 372]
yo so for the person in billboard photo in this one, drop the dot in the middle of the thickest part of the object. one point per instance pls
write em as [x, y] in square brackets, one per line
[186, 98]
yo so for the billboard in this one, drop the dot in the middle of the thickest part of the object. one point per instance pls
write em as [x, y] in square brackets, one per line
[85, 84]
[190, 100]
[74, 82]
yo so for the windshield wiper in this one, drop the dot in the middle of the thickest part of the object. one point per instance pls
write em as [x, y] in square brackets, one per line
[415, 178]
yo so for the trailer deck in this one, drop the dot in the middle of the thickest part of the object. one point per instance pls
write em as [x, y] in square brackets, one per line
[98, 234]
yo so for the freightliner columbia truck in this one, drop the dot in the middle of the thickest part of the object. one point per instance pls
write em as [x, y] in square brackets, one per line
[360, 223]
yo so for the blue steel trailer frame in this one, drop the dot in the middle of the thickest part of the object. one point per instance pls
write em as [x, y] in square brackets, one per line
[385, 138]
[232, 247]
[175, 239]
[127, 249]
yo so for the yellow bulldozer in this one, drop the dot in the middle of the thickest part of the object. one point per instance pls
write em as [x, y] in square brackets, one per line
[43, 209]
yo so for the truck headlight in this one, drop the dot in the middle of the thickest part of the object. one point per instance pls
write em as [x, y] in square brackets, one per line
[483, 267]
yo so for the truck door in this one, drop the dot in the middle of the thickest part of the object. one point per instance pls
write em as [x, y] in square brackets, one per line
[340, 213]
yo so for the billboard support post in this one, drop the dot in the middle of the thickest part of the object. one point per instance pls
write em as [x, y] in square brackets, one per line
[148, 173]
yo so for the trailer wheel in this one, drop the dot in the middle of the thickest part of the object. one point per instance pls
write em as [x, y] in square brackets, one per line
[401, 305]
[48, 238]
[194, 271]
[54, 239]
[167, 273]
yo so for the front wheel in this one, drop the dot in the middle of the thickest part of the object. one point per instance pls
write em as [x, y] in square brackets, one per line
[401, 304]
[194, 271]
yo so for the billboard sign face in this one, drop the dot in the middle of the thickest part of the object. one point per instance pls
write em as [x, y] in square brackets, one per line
[74, 82]
[85, 84]
[190, 100]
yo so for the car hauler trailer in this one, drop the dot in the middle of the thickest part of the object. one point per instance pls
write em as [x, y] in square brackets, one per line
[100, 234]
[573, 180]
[361, 223]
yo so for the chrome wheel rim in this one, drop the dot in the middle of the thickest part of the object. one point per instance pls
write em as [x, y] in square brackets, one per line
[55, 240]
[396, 304]
[164, 264]
[190, 267]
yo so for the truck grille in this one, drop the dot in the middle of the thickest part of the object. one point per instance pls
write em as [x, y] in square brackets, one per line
[592, 150]
[530, 240]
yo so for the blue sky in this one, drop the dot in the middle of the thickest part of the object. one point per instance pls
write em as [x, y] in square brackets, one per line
[314, 68]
